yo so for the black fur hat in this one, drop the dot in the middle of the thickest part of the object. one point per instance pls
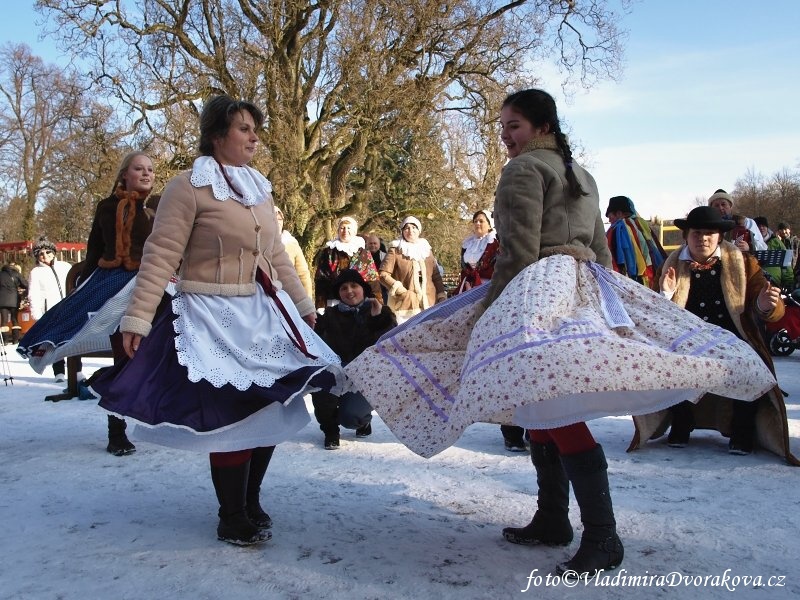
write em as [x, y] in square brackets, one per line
[42, 244]
[351, 276]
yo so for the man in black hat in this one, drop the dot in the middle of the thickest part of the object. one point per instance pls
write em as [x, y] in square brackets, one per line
[714, 280]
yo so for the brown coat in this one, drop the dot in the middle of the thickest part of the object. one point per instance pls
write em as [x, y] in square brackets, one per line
[534, 215]
[405, 294]
[219, 246]
[120, 227]
[742, 281]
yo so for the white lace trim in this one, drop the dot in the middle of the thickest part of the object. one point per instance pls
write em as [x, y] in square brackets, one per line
[242, 340]
[475, 247]
[349, 248]
[255, 187]
[419, 250]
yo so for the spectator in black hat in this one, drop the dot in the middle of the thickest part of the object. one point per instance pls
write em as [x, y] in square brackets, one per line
[349, 328]
[710, 278]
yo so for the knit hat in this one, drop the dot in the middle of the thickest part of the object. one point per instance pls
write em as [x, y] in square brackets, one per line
[620, 204]
[704, 217]
[720, 195]
[486, 213]
[413, 221]
[351, 276]
[43, 244]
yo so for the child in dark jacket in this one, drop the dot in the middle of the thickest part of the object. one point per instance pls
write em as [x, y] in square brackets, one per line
[349, 328]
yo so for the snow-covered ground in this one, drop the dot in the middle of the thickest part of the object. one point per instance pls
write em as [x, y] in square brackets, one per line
[373, 520]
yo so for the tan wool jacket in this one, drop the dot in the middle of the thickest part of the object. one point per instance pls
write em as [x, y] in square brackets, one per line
[406, 296]
[535, 216]
[218, 246]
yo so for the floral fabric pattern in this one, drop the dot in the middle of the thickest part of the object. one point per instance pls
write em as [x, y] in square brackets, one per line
[550, 351]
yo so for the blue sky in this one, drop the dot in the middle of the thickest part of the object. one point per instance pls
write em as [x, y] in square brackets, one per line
[709, 90]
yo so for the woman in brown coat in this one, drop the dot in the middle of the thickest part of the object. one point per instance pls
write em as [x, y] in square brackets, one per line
[410, 273]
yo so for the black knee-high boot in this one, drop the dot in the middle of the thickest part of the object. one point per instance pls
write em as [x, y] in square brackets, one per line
[258, 467]
[550, 524]
[600, 546]
[118, 442]
[230, 484]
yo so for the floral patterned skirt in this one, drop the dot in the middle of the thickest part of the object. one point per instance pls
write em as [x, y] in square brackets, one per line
[566, 341]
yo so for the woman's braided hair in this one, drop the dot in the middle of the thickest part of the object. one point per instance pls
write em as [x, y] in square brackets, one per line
[539, 107]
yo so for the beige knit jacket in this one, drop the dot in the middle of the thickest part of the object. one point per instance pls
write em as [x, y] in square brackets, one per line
[218, 247]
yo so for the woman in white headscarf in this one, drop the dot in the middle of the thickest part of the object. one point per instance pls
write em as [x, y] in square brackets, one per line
[346, 251]
[478, 252]
[410, 273]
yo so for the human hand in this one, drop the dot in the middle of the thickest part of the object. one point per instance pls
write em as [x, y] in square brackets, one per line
[768, 297]
[311, 319]
[130, 343]
[400, 290]
[741, 244]
[374, 306]
[669, 280]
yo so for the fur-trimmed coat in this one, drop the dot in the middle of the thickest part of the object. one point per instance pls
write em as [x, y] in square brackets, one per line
[742, 282]
[407, 296]
[219, 247]
[535, 216]
[120, 227]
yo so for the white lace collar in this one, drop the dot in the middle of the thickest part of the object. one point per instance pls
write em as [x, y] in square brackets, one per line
[349, 248]
[474, 247]
[419, 250]
[255, 187]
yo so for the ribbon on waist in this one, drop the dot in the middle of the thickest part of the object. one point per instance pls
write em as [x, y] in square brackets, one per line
[269, 288]
[613, 310]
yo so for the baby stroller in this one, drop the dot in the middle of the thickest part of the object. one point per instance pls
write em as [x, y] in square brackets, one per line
[784, 336]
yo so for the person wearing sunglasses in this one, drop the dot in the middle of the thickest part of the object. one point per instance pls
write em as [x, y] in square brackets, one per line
[47, 286]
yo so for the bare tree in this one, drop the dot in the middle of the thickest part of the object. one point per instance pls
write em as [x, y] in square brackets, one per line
[349, 86]
[776, 197]
[41, 112]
